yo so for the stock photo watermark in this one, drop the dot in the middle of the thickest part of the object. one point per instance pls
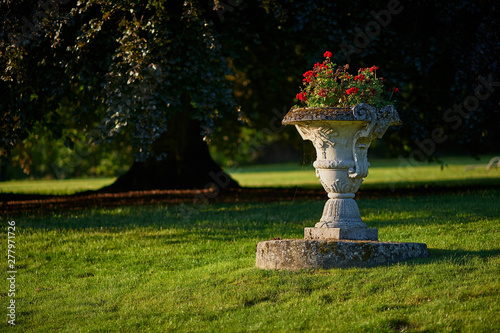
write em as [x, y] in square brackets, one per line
[223, 7]
[362, 39]
[11, 272]
[454, 117]
[79, 154]
[221, 180]
[40, 15]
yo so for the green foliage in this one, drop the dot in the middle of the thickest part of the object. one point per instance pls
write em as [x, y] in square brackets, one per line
[162, 269]
[251, 145]
[72, 156]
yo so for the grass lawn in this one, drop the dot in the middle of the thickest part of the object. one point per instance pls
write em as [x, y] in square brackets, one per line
[56, 187]
[192, 268]
[383, 174]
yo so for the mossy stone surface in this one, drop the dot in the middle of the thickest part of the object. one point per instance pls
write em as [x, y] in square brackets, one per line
[296, 254]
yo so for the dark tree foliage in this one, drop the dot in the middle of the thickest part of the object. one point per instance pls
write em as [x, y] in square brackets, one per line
[438, 54]
[139, 67]
[168, 74]
[135, 63]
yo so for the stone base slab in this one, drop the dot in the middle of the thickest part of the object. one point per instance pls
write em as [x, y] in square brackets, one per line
[341, 233]
[295, 254]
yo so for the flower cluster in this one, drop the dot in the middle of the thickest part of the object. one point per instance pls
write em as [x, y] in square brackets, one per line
[330, 85]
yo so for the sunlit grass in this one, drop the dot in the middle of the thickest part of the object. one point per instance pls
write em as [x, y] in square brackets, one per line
[382, 174]
[192, 269]
[55, 187]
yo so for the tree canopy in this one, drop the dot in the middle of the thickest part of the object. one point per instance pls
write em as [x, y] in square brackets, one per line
[126, 63]
[132, 68]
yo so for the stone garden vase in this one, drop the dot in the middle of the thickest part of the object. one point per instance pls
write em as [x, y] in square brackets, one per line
[341, 137]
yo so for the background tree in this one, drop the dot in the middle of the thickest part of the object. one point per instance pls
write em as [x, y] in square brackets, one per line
[135, 66]
[157, 74]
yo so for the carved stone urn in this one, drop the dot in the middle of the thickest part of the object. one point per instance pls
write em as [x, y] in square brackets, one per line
[341, 137]
[340, 239]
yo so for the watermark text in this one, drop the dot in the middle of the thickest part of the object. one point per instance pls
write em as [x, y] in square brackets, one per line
[11, 273]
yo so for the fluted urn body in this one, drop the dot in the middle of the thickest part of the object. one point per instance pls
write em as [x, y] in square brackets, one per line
[341, 137]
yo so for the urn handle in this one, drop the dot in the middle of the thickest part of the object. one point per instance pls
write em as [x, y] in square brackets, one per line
[378, 121]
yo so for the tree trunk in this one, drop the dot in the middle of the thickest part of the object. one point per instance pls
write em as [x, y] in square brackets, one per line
[188, 164]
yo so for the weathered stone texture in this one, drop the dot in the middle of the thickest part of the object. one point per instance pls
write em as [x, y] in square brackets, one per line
[341, 137]
[340, 233]
[295, 254]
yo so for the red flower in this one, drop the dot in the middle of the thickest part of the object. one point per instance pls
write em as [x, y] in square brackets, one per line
[308, 76]
[374, 68]
[302, 97]
[322, 93]
[308, 73]
[327, 54]
[359, 78]
[394, 89]
[320, 66]
[352, 91]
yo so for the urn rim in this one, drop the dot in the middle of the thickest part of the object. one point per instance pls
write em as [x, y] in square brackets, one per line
[359, 112]
[296, 115]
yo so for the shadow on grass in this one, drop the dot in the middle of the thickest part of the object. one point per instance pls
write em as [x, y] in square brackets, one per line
[286, 216]
[223, 226]
[460, 256]
[217, 222]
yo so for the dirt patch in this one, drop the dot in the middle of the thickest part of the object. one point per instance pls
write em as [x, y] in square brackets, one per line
[39, 204]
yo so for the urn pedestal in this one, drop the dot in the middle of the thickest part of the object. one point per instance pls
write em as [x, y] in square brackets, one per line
[341, 137]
